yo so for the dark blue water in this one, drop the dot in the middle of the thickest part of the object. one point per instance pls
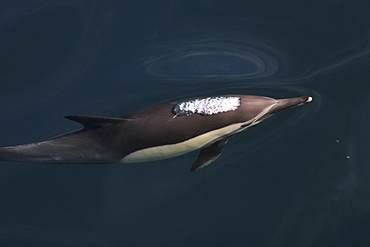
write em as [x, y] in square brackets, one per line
[301, 178]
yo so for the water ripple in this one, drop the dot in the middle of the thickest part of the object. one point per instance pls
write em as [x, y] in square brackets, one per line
[215, 60]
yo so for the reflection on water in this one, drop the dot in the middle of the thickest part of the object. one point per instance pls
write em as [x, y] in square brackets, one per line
[341, 59]
[220, 60]
[244, 62]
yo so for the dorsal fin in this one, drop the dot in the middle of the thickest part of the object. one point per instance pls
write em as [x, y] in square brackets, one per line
[95, 121]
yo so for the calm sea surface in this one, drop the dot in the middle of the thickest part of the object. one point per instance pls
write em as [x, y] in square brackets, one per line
[301, 178]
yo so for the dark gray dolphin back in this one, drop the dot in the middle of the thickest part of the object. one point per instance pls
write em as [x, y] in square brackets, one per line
[158, 125]
[108, 140]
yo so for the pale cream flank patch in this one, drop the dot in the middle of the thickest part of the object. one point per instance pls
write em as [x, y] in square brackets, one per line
[173, 150]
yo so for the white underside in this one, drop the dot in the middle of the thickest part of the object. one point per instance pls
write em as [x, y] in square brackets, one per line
[173, 150]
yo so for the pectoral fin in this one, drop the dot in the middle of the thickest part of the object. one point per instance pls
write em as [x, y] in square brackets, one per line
[209, 154]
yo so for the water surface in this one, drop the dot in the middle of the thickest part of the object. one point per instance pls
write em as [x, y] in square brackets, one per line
[299, 179]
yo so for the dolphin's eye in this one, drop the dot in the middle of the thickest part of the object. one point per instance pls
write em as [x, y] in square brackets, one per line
[207, 106]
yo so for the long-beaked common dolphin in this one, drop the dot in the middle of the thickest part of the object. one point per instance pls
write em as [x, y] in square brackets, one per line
[158, 132]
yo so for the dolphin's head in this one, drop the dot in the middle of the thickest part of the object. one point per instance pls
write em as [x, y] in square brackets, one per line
[255, 109]
[285, 104]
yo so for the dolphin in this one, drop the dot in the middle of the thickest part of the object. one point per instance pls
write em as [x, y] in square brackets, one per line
[159, 132]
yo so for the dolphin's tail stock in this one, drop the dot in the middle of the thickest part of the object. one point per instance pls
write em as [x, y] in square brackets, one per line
[64, 149]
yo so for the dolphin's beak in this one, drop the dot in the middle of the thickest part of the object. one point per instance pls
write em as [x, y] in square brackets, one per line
[285, 104]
